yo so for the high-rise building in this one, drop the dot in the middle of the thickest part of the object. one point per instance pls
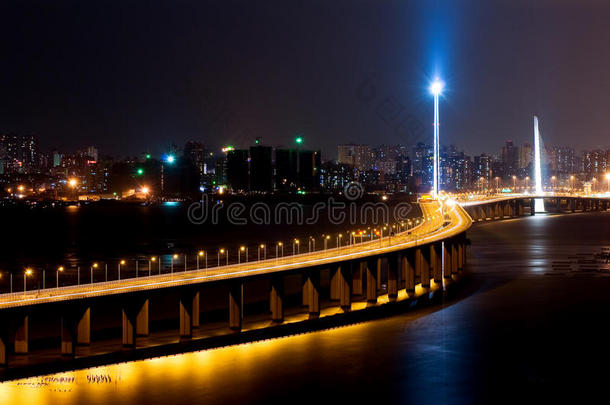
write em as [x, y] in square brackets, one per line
[563, 162]
[423, 164]
[261, 168]
[286, 169]
[482, 167]
[510, 158]
[19, 153]
[359, 156]
[237, 169]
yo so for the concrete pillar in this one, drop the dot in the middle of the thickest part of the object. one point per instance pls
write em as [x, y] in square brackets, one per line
[447, 259]
[304, 288]
[83, 329]
[189, 305]
[4, 346]
[436, 261]
[311, 289]
[276, 299]
[379, 273]
[22, 334]
[532, 207]
[357, 287]
[135, 320]
[373, 267]
[334, 282]
[393, 269]
[75, 328]
[407, 270]
[521, 210]
[422, 267]
[572, 204]
[454, 257]
[345, 288]
[558, 204]
[236, 292]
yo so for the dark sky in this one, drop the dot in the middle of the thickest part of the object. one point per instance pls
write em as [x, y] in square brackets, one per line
[135, 75]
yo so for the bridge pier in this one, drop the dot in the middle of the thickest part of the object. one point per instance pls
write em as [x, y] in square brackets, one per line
[357, 287]
[436, 261]
[236, 299]
[345, 288]
[334, 282]
[447, 259]
[22, 333]
[4, 345]
[407, 270]
[311, 291]
[135, 320]
[276, 299]
[373, 268]
[423, 266]
[189, 312]
[393, 270]
[75, 328]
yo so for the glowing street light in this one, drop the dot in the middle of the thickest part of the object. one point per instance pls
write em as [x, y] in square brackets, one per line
[26, 273]
[262, 247]
[93, 266]
[121, 263]
[239, 252]
[60, 269]
[608, 180]
[436, 89]
[279, 245]
[222, 251]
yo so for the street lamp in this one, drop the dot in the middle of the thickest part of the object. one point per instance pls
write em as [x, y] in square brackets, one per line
[608, 180]
[572, 183]
[174, 257]
[527, 182]
[93, 266]
[243, 249]
[26, 273]
[553, 182]
[59, 269]
[222, 252]
[201, 253]
[436, 88]
[497, 184]
[281, 246]
[514, 183]
[295, 244]
[121, 263]
[264, 248]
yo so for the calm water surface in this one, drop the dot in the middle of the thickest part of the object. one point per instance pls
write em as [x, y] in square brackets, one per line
[529, 325]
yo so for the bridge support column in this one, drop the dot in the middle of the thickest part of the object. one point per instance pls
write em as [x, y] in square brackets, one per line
[135, 320]
[75, 328]
[423, 266]
[572, 202]
[189, 312]
[236, 299]
[393, 266]
[437, 262]
[373, 268]
[311, 290]
[345, 288]
[447, 259]
[357, 278]
[22, 334]
[532, 206]
[334, 282]
[454, 256]
[407, 270]
[3, 346]
[276, 299]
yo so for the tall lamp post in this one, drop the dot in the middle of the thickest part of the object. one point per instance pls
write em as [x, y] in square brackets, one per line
[608, 181]
[436, 88]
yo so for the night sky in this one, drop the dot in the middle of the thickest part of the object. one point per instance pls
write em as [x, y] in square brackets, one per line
[134, 75]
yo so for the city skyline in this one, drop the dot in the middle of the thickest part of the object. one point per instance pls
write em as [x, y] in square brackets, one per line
[109, 87]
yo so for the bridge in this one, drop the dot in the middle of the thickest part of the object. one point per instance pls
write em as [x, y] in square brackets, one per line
[412, 260]
[425, 258]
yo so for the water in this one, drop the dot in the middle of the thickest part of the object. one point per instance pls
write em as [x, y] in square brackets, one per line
[530, 324]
